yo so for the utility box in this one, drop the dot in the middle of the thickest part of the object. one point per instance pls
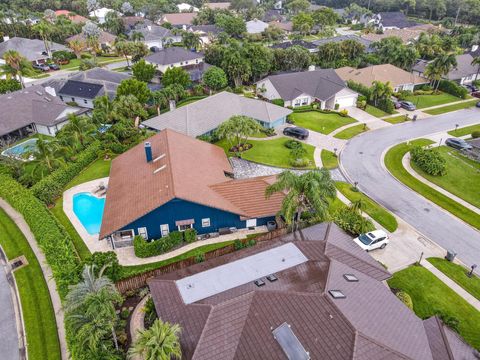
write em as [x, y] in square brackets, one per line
[450, 255]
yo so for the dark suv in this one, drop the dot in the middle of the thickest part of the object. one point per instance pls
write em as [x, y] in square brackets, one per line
[298, 132]
[459, 144]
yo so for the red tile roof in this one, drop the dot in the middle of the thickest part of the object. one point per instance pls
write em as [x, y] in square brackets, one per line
[78, 19]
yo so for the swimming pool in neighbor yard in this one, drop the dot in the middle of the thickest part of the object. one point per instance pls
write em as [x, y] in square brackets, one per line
[18, 150]
[89, 210]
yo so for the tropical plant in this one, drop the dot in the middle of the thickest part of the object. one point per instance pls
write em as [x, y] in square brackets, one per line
[79, 130]
[380, 91]
[434, 74]
[191, 40]
[16, 66]
[143, 71]
[176, 75]
[124, 48]
[77, 46]
[113, 23]
[133, 87]
[310, 191]
[136, 36]
[159, 342]
[44, 30]
[429, 160]
[159, 100]
[215, 78]
[45, 158]
[92, 33]
[237, 129]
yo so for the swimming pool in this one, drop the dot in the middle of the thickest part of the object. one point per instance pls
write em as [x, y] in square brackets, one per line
[18, 150]
[89, 210]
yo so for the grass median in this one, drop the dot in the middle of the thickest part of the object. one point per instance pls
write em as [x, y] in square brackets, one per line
[373, 209]
[352, 131]
[37, 308]
[453, 107]
[467, 130]
[329, 159]
[393, 162]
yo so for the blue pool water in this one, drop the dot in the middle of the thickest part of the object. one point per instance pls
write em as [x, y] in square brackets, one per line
[89, 210]
[20, 149]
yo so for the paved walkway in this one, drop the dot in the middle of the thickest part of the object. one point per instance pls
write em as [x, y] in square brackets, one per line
[406, 164]
[452, 284]
[47, 273]
[363, 117]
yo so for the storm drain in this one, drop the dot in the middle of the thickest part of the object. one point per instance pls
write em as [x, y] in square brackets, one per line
[18, 263]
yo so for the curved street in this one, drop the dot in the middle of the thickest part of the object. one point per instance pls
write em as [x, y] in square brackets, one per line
[362, 161]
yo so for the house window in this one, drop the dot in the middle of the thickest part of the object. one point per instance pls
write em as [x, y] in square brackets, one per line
[184, 227]
[84, 101]
[61, 97]
[196, 61]
[298, 102]
[304, 101]
[186, 62]
[73, 99]
[126, 234]
[164, 230]
[206, 222]
[142, 231]
[181, 63]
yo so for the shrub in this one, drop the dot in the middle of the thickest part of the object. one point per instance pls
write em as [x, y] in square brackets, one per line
[199, 258]
[290, 120]
[51, 237]
[150, 313]
[238, 245]
[476, 134]
[51, 186]
[451, 321]
[190, 235]
[176, 238]
[337, 106]
[85, 56]
[405, 298]
[453, 88]
[251, 243]
[143, 248]
[292, 144]
[238, 90]
[63, 55]
[343, 112]
[429, 160]
[124, 314]
[361, 89]
[352, 221]
[100, 259]
[269, 131]
[278, 102]
[300, 162]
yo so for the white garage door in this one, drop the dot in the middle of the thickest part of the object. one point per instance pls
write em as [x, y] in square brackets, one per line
[347, 101]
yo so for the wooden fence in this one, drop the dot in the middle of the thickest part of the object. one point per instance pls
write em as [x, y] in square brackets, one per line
[140, 280]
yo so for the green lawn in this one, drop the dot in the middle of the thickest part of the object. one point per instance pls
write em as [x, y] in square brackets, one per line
[431, 296]
[98, 169]
[75, 63]
[37, 309]
[320, 122]
[467, 130]
[458, 274]
[372, 110]
[373, 209]
[462, 178]
[396, 119]
[270, 152]
[448, 108]
[425, 101]
[393, 162]
[329, 159]
[352, 131]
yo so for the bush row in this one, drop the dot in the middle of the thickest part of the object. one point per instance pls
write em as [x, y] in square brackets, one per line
[453, 88]
[383, 104]
[429, 160]
[144, 249]
[49, 234]
[51, 186]
[352, 221]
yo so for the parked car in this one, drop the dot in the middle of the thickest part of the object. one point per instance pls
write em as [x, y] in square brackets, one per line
[471, 88]
[42, 67]
[298, 132]
[459, 144]
[407, 105]
[54, 66]
[476, 94]
[372, 240]
[397, 105]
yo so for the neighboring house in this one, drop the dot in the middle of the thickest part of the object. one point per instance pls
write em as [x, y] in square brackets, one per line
[76, 19]
[206, 32]
[475, 50]
[399, 79]
[83, 87]
[256, 26]
[155, 36]
[204, 116]
[192, 62]
[304, 88]
[179, 19]
[131, 22]
[286, 26]
[311, 47]
[184, 7]
[32, 110]
[101, 13]
[217, 5]
[32, 49]
[273, 15]
[320, 297]
[463, 73]
[407, 35]
[174, 182]
[391, 20]
[105, 39]
[336, 39]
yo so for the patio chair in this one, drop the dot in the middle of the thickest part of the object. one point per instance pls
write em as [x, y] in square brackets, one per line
[99, 188]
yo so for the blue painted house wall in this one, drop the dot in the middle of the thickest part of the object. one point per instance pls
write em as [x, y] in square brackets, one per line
[177, 209]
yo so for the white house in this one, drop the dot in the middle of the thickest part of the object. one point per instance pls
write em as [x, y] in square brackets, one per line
[256, 26]
[100, 14]
[184, 7]
[323, 86]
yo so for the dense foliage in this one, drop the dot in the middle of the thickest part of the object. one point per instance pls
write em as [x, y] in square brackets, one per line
[9, 85]
[453, 88]
[145, 248]
[352, 221]
[429, 160]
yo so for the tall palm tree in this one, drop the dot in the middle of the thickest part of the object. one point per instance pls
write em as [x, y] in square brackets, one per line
[46, 157]
[79, 129]
[160, 342]
[137, 36]
[15, 66]
[433, 73]
[77, 46]
[159, 99]
[44, 29]
[310, 191]
[191, 40]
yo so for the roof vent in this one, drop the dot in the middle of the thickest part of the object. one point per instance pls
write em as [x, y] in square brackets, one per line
[337, 294]
[272, 278]
[159, 158]
[39, 93]
[259, 282]
[350, 277]
[47, 98]
[160, 169]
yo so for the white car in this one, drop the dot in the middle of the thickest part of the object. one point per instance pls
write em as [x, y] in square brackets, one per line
[372, 240]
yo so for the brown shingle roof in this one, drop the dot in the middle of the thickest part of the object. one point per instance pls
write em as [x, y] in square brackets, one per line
[191, 170]
[179, 18]
[370, 323]
[382, 73]
[104, 38]
[217, 5]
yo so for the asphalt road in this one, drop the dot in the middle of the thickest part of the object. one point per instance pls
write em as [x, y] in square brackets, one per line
[362, 161]
[8, 328]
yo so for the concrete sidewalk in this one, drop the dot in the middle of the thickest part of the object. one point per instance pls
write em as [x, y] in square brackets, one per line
[452, 284]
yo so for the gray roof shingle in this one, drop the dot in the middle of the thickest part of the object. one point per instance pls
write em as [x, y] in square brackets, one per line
[172, 55]
[32, 49]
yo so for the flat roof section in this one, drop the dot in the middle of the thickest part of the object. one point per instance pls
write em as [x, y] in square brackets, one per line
[228, 276]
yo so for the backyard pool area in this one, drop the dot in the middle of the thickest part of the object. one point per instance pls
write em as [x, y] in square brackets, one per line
[19, 150]
[89, 210]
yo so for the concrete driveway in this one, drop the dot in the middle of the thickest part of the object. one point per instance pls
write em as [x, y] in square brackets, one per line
[362, 161]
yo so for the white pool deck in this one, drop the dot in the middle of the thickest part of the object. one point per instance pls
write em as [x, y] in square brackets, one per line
[126, 255]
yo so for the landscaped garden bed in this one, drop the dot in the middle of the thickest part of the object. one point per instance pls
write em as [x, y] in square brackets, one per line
[320, 121]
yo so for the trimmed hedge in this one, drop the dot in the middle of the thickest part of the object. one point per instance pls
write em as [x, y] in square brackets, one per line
[51, 237]
[453, 88]
[406, 299]
[144, 249]
[51, 186]
[278, 102]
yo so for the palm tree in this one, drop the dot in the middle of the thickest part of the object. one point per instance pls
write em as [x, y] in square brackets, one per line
[191, 40]
[137, 36]
[433, 73]
[160, 342]
[476, 61]
[46, 157]
[44, 29]
[159, 99]
[77, 46]
[16, 66]
[79, 129]
[310, 191]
